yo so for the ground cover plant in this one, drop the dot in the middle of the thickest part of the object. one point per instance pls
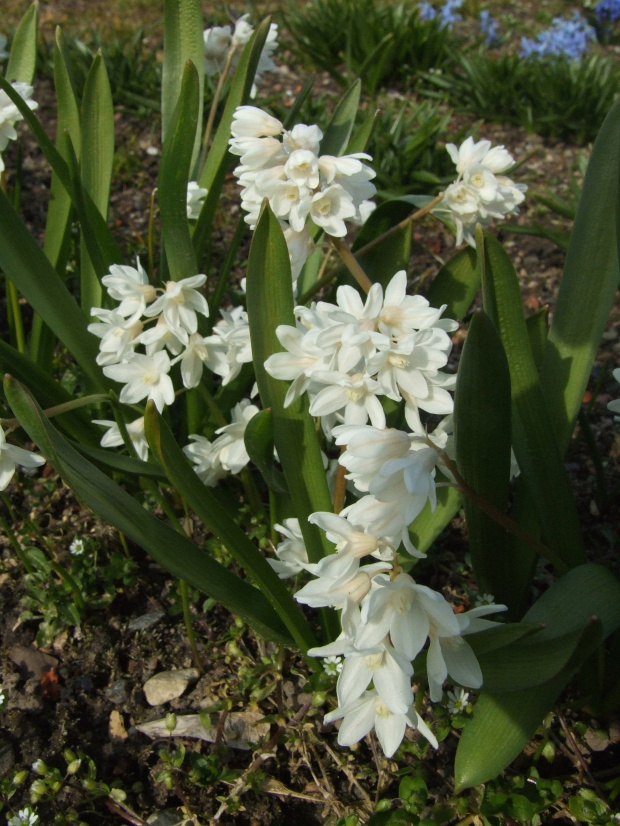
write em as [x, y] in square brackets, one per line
[286, 429]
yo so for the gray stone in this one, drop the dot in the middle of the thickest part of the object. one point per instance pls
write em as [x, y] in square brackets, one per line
[145, 621]
[118, 691]
[168, 685]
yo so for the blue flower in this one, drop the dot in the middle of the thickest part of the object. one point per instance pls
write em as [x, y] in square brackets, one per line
[607, 11]
[566, 38]
[488, 27]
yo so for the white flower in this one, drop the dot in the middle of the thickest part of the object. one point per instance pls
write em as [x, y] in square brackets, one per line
[217, 41]
[230, 444]
[209, 350]
[76, 548]
[2, 699]
[135, 431]
[145, 377]
[329, 208]
[337, 591]
[119, 335]
[195, 199]
[352, 544]
[369, 710]
[180, 303]
[10, 456]
[25, 817]
[10, 114]
[291, 552]
[355, 395]
[332, 665]
[389, 672]
[130, 286]
[252, 122]
[456, 701]
[207, 460]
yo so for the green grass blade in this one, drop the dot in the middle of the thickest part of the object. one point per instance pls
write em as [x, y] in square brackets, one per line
[173, 178]
[211, 511]
[482, 442]
[172, 550]
[589, 282]
[339, 129]
[23, 57]
[25, 264]
[534, 439]
[96, 159]
[182, 42]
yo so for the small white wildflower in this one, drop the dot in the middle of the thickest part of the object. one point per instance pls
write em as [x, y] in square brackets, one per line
[77, 547]
[332, 665]
[39, 767]
[3, 699]
[484, 599]
[25, 817]
[456, 702]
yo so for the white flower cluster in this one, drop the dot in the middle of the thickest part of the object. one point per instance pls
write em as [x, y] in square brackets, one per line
[345, 356]
[24, 817]
[164, 323]
[195, 199]
[10, 115]
[11, 455]
[481, 193]
[222, 41]
[300, 184]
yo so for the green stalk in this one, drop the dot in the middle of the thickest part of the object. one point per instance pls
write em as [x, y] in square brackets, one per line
[191, 637]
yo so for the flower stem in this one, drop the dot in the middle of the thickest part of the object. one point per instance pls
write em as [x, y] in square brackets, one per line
[350, 262]
[191, 637]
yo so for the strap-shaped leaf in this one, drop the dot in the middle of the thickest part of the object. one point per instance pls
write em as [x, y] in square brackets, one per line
[114, 460]
[183, 41]
[25, 264]
[173, 178]
[23, 57]
[534, 439]
[589, 282]
[482, 443]
[173, 551]
[96, 158]
[504, 722]
[456, 284]
[339, 129]
[270, 303]
[384, 260]
[211, 511]
[259, 443]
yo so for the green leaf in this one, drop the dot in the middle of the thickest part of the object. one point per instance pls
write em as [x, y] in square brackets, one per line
[270, 303]
[259, 443]
[588, 287]
[503, 723]
[96, 159]
[25, 264]
[173, 178]
[456, 284]
[47, 392]
[339, 129]
[114, 460]
[384, 260]
[358, 141]
[483, 450]
[427, 526]
[183, 41]
[534, 437]
[170, 549]
[537, 329]
[23, 57]
[210, 510]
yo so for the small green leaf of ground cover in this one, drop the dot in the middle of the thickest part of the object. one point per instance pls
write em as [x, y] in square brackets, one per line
[214, 515]
[589, 282]
[534, 439]
[173, 178]
[584, 600]
[259, 443]
[173, 551]
[23, 57]
[482, 443]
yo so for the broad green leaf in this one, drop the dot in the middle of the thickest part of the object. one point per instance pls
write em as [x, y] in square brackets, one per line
[177, 554]
[361, 136]
[270, 303]
[173, 178]
[259, 443]
[23, 57]
[114, 460]
[183, 41]
[209, 509]
[427, 526]
[534, 438]
[483, 452]
[502, 635]
[588, 287]
[340, 126]
[47, 392]
[25, 264]
[537, 329]
[503, 723]
[96, 158]
[456, 284]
